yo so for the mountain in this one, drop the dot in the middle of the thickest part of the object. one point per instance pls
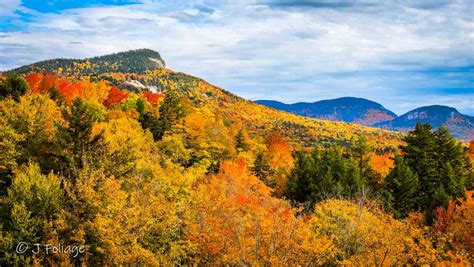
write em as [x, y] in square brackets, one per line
[461, 126]
[134, 61]
[143, 71]
[348, 109]
[369, 113]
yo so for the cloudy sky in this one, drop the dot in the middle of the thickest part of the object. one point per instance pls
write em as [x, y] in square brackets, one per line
[400, 55]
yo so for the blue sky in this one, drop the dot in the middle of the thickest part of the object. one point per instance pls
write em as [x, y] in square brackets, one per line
[400, 55]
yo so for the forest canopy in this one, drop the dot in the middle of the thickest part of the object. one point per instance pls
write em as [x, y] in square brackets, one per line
[166, 178]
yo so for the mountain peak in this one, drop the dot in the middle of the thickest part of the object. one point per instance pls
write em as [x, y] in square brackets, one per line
[144, 54]
[348, 109]
[437, 108]
[461, 126]
[140, 51]
[435, 114]
[354, 101]
[132, 61]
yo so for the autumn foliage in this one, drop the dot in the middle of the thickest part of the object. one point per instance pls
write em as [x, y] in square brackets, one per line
[115, 96]
[198, 176]
[153, 98]
[457, 223]
[236, 221]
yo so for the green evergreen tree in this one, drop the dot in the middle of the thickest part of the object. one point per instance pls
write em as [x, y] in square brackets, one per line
[13, 86]
[75, 146]
[439, 199]
[240, 143]
[298, 184]
[261, 169]
[171, 111]
[450, 166]
[419, 156]
[401, 186]
[148, 120]
[360, 152]
[319, 175]
[344, 171]
[437, 159]
[468, 172]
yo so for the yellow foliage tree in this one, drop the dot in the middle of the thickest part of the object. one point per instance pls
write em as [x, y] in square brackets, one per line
[364, 234]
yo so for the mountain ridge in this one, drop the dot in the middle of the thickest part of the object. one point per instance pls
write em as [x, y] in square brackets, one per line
[460, 125]
[136, 61]
[134, 66]
[349, 109]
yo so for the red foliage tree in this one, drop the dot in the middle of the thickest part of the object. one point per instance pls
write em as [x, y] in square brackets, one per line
[33, 81]
[69, 90]
[48, 82]
[153, 98]
[444, 217]
[115, 96]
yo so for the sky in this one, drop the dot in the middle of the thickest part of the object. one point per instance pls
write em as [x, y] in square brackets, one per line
[402, 54]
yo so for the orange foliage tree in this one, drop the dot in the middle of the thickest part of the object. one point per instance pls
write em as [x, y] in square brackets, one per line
[456, 223]
[97, 92]
[41, 83]
[115, 96]
[235, 221]
[69, 90]
[153, 98]
[44, 83]
[279, 158]
[381, 163]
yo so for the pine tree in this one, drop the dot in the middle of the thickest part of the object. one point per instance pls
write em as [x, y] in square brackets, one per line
[298, 184]
[261, 169]
[419, 156]
[468, 172]
[323, 174]
[360, 152]
[13, 86]
[401, 186]
[439, 199]
[170, 111]
[437, 159]
[344, 171]
[75, 145]
[450, 167]
[240, 143]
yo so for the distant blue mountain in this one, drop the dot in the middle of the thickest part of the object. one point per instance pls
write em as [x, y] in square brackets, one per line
[461, 126]
[369, 113]
[348, 109]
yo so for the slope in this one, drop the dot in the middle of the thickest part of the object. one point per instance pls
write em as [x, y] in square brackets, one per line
[348, 109]
[140, 74]
[461, 126]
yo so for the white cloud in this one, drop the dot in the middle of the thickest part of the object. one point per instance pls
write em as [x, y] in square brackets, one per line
[259, 50]
[8, 7]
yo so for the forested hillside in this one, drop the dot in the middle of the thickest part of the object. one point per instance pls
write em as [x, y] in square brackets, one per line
[348, 109]
[136, 61]
[153, 80]
[155, 167]
[461, 126]
[369, 113]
